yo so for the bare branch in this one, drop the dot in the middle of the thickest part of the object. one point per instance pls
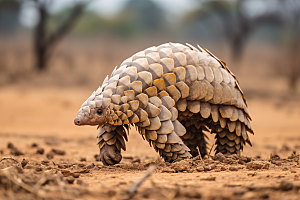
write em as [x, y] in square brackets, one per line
[131, 191]
[67, 25]
[9, 159]
[17, 182]
[44, 42]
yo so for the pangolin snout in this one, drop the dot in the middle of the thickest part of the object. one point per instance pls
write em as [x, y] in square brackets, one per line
[77, 121]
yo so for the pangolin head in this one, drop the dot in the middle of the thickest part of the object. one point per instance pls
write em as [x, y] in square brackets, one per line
[95, 110]
[91, 116]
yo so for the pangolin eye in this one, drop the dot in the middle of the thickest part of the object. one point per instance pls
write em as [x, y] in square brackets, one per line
[99, 111]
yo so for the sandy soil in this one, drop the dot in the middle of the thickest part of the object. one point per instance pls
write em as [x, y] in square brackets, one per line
[40, 120]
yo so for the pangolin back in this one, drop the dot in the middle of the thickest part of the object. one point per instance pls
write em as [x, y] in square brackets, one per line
[172, 93]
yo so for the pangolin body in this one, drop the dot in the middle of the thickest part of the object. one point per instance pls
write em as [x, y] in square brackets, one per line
[171, 93]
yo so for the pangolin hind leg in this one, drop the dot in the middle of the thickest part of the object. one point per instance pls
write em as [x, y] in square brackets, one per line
[196, 138]
[227, 142]
[231, 131]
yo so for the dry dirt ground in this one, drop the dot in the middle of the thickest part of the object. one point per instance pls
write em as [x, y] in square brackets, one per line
[50, 158]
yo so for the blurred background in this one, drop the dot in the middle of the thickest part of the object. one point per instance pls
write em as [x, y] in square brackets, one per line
[55, 53]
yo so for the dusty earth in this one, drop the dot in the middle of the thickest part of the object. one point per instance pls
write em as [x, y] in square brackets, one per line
[45, 156]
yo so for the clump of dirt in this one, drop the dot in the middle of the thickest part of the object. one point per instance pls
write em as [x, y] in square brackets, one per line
[36, 176]
[219, 163]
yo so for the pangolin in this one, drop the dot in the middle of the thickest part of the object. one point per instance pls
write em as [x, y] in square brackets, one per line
[171, 93]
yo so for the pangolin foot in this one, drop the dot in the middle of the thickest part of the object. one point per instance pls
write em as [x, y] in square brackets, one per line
[110, 155]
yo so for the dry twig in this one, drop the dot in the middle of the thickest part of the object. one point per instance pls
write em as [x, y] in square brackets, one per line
[18, 182]
[299, 159]
[199, 154]
[211, 150]
[132, 190]
[61, 188]
[9, 159]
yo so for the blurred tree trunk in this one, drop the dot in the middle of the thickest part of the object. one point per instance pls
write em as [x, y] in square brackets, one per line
[290, 19]
[240, 33]
[44, 42]
[40, 39]
[294, 64]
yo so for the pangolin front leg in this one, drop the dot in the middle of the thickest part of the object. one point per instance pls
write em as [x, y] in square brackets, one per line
[110, 154]
[111, 141]
[165, 130]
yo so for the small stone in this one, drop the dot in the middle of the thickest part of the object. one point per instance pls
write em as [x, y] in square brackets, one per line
[213, 166]
[58, 152]
[188, 194]
[258, 165]
[38, 169]
[137, 160]
[29, 167]
[239, 191]
[61, 166]
[24, 163]
[16, 152]
[200, 169]
[10, 145]
[91, 166]
[83, 171]
[82, 159]
[233, 168]
[45, 162]
[241, 162]
[219, 156]
[50, 155]
[264, 195]
[81, 165]
[70, 179]
[250, 195]
[52, 141]
[285, 185]
[285, 169]
[75, 175]
[79, 182]
[111, 193]
[274, 157]
[40, 151]
[211, 178]
[276, 162]
[180, 166]
[66, 173]
[34, 145]
[223, 168]
[168, 170]
[207, 168]
[252, 174]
